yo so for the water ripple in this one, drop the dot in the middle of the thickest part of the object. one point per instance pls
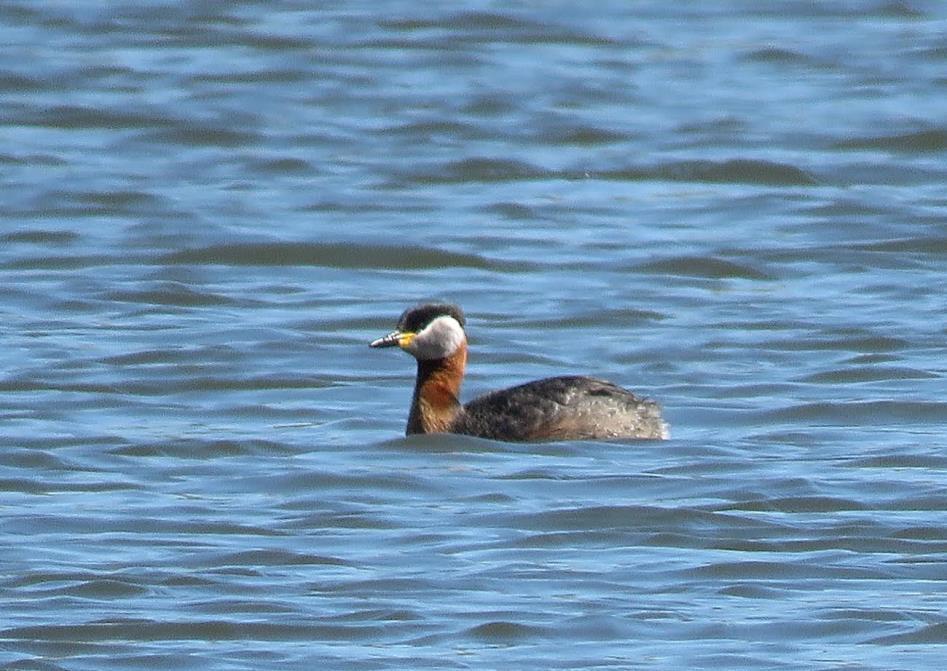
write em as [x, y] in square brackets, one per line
[326, 255]
[924, 141]
[211, 208]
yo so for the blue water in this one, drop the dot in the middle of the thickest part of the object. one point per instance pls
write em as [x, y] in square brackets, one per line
[735, 208]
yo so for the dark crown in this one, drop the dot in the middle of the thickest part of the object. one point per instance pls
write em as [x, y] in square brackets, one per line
[416, 318]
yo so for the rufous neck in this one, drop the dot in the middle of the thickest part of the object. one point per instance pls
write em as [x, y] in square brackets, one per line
[436, 401]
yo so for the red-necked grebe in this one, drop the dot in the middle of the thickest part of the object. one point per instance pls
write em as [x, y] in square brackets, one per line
[556, 408]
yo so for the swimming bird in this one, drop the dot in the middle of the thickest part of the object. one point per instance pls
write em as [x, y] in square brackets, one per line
[556, 408]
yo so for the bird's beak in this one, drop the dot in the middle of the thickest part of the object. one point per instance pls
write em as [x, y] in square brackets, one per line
[394, 339]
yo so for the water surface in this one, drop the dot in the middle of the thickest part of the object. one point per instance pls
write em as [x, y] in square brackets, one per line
[208, 212]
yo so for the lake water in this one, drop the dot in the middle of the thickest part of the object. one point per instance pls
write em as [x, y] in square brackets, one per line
[209, 210]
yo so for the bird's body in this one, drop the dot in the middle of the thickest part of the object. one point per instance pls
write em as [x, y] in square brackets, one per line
[561, 408]
[556, 408]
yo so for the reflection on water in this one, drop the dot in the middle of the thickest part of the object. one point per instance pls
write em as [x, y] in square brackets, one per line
[209, 212]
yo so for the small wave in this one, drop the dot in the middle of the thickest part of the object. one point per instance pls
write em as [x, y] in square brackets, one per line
[863, 413]
[931, 244]
[36, 485]
[467, 26]
[201, 630]
[115, 200]
[582, 136]
[225, 606]
[869, 374]
[478, 169]
[260, 76]
[176, 295]
[101, 589]
[931, 634]
[330, 255]
[60, 262]
[504, 632]
[579, 538]
[769, 570]
[797, 504]
[777, 55]
[14, 83]
[201, 449]
[171, 355]
[282, 166]
[845, 340]
[742, 171]
[75, 116]
[512, 211]
[901, 460]
[40, 237]
[754, 591]
[707, 267]
[433, 129]
[487, 20]
[207, 135]
[638, 518]
[460, 21]
[256, 558]
[925, 141]
[734, 171]
[322, 481]
[378, 615]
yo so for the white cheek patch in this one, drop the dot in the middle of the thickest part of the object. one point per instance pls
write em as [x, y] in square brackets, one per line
[439, 339]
